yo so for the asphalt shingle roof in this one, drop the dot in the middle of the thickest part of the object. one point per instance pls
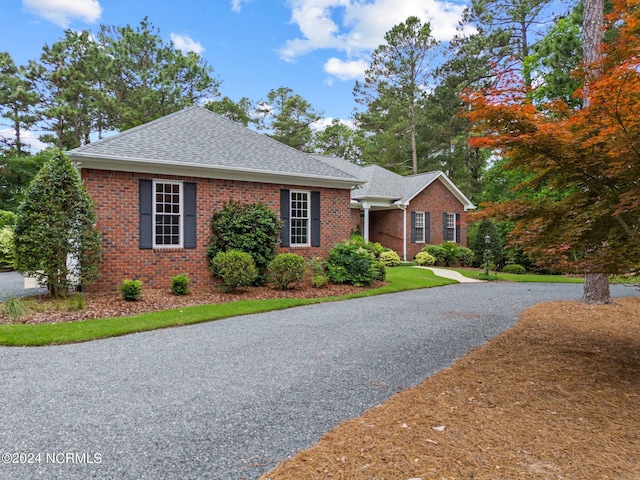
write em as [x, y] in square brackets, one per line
[383, 183]
[197, 136]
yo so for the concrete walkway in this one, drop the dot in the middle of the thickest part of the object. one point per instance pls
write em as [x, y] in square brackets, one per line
[453, 275]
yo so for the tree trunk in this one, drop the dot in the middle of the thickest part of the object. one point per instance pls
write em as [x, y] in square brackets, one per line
[414, 148]
[596, 285]
[593, 35]
[596, 289]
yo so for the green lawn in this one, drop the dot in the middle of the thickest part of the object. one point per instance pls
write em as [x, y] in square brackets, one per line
[527, 277]
[398, 278]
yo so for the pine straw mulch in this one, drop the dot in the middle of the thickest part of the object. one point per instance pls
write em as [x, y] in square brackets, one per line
[555, 397]
[42, 309]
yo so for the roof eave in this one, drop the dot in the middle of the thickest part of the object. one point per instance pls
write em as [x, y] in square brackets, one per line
[163, 167]
[462, 198]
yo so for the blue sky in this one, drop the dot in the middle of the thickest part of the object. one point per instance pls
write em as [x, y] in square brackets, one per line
[318, 48]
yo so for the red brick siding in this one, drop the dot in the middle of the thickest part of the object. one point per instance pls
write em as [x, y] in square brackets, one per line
[356, 221]
[115, 195]
[386, 226]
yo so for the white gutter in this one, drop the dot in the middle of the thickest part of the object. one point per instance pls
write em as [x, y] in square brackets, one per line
[164, 167]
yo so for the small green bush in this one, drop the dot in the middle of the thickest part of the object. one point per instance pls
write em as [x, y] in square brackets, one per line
[75, 303]
[317, 266]
[425, 259]
[131, 290]
[14, 308]
[319, 273]
[389, 258]
[180, 284]
[514, 268]
[437, 252]
[7, 250]
[234, 268]
[465, 256]
[286, 269]
[350, 263]
[319, 281]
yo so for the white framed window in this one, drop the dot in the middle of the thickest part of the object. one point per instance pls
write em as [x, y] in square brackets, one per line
[167, 214]
[419, 227]
[450, 228]
[300, 215]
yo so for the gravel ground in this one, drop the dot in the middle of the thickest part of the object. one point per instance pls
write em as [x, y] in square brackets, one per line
[12, 286]
[233, 398]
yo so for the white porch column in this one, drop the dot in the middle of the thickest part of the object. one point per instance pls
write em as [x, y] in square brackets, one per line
[366, 207]
[404, 232]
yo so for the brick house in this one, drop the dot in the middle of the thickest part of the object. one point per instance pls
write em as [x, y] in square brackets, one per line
[405, 213]
[156, 186]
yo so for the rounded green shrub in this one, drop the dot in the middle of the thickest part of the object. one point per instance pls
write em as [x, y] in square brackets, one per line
[465, 256]
[437, 252]
[450, 253]
[234, 268]
[180, 285]
[131, 290]
[389, 258]
[286, 269]
[514, 268]
[253, 228]
[425, 259]
[349, 263]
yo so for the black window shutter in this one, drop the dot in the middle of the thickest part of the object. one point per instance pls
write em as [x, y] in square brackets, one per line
[315, 219]
[427, 227]
[284, 217]
[413, 227]
[189, 215]
[444, 227]
[145, 211]
[457, 227]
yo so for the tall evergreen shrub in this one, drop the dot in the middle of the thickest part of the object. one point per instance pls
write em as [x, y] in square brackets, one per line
[56, 237]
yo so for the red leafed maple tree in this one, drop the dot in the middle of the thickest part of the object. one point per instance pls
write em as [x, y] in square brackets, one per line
[579, 210]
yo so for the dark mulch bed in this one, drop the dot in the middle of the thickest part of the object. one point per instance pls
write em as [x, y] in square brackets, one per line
[104, 305]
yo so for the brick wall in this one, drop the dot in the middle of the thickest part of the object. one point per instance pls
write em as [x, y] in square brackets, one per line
[115, 195]
[386, 226]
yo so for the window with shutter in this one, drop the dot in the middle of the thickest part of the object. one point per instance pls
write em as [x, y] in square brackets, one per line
[300, 216]
[167, 214]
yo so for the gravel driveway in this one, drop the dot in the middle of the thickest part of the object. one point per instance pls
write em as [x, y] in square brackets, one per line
[231, 399]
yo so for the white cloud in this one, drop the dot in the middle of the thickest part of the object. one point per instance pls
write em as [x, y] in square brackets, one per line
[356, 27]
[236, 5]
[186, 43]
[323, 123]
[346, 70]
[62, 12]
[27, 137]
